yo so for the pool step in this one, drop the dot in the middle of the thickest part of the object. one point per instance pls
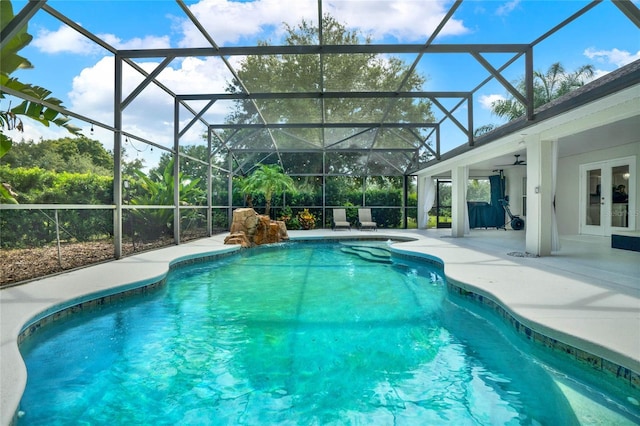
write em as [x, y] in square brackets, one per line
[371, 254]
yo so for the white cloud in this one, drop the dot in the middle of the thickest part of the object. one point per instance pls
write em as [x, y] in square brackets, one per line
[148, 42]
[228, 22]
[487, 100]
[64, 39]
[150, 115]
[507, 8]
[403, 19]
[67, 40]
[614, 56]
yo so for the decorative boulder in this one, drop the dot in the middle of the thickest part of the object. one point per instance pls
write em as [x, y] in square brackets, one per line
[249, 228]
[245, 220]
[238, 238]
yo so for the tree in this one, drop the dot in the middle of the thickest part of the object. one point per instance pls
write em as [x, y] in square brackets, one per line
[267, 179]
[10, 61]
[340, 72]
[552, 84]
[75, 155]
[192, 169]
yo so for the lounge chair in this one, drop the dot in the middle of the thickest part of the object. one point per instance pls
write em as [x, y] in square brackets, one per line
[340, 219]
[365, 221]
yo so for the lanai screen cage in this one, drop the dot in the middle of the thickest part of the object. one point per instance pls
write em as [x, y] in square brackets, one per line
[351, 109]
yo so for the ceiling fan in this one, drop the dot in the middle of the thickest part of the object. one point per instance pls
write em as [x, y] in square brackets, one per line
[518, 162]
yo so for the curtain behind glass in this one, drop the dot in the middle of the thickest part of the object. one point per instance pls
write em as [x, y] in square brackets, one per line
[429, 199]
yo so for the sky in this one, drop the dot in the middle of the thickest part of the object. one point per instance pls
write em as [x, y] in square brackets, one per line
[80, 73]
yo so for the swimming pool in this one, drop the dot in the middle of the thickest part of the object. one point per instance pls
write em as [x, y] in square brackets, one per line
[297, 334]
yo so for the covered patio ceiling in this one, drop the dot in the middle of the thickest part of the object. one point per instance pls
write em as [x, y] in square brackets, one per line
[381, 141]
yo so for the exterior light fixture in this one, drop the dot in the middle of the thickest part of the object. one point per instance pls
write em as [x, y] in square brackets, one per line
[91, 128]
[41, 116]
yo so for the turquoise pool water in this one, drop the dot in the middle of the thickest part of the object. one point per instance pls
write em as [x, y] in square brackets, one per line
[301, 334]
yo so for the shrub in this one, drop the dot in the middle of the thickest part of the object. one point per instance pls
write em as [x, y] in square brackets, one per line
[306, 219]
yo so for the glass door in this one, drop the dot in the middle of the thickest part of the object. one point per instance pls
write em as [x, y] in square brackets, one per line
[605, 202]
[593, 202]
[620, 196]
[443, 203]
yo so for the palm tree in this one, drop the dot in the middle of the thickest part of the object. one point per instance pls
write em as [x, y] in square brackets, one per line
[546, 87]
[268, 179]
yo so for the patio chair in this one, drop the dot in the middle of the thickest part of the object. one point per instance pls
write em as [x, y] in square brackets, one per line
[365, 221]
[340, 219]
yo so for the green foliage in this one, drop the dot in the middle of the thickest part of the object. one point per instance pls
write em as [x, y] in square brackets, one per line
[384, 197]
[290, 220]
[32, 228]
[479, 190]
[10, 61]
[5, 145]
[479, 131]
[285, 214]
[220, 219]
[547, 86]
[341, 190]
[80, 188]
[191, 168]
[306, 219]
[35, 110]
[293, 223]
[267, 179]
[305, 198]
[72, 155]
[412, 199]
[75, 155]
[37, 186]
[342, 72]
[6, 193]
[388, 217]
[157, 189]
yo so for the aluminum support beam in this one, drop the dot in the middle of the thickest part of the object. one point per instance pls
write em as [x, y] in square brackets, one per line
[176, 172]
[117, 158]
[19, 21]
[320, 95]
[630, 10]
[325, 50]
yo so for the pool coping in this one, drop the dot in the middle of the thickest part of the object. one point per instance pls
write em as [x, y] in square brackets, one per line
[39, 302]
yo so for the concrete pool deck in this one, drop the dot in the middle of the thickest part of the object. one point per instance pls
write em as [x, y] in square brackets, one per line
[587, 295]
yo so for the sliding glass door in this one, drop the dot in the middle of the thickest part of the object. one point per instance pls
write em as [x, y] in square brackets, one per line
[443, 204]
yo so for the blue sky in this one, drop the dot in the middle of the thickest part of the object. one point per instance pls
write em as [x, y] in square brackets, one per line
[81, 74]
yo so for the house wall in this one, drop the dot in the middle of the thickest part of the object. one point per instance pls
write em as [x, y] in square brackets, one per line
[514, 189]
[568, 185]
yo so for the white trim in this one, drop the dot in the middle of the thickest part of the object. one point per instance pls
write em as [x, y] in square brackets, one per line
[605, 228]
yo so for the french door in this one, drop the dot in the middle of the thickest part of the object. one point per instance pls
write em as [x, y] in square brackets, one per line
[607, 196]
